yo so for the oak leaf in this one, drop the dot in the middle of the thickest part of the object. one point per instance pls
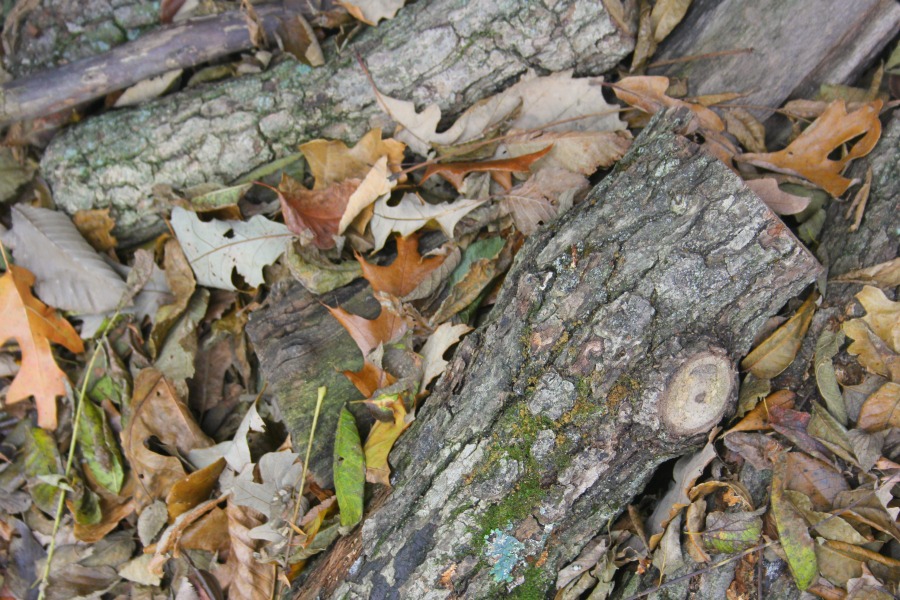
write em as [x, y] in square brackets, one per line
[579, 151]
[331, 161]
[405, 273]
[369, 333]
[413, 213]
[370, 378]
[648, 93]
[808, 155]
[501, 170]
[34, 325]
[775, 198]
[539, 199]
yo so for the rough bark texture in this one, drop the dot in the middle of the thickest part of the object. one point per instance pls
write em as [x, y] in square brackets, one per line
[47, 33]
[554, 415]
[797, 46]
[179, 46]
[449, 52]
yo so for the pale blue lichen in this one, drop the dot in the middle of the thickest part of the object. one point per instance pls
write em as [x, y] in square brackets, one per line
[504, 552]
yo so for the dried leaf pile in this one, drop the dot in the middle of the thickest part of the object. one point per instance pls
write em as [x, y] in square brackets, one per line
[151, 462]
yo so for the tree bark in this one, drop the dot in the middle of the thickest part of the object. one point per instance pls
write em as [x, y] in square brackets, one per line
[449, 52]
[811, 42]
[611, 349]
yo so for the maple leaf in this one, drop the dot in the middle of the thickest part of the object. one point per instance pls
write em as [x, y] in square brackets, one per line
[808, 155]
[34, 325]
[501, 170]
[369, 333]
[333, 162]
[648, 93]
[407, 271]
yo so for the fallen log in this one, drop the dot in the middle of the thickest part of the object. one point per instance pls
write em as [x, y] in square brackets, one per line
[449, 52]
[611, 349]
[179, 46]
[810, 41]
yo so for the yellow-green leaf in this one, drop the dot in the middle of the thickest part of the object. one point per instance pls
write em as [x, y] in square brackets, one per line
[349, 471]
[380, 441]
[798, 545]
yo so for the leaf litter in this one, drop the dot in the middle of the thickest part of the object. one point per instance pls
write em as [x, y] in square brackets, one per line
[431, 252]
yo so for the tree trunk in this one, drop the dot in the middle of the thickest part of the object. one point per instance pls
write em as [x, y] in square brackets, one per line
[611, 349]
[449, 52]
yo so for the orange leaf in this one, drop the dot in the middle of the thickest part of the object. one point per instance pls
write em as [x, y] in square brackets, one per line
[648, 93]
[407, 271]
[34, 325]
[316, 211]
[807, 156]
[370, 379]
[758, 417]
[369, 333]
[500, 169]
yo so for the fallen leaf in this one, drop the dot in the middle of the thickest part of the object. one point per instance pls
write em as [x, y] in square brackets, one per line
[99, 449]
[182, 284]
[779, 201]
[882, 315]
[279, 474]
[501, 169]
[886, 274]
[445, 336]
[315, 214]
[96, 227]
[644, 43]
[193, 489]
[733, 532]
[752, 391]
[829, 431]
[828, 344]
[370, 333]
[860, 199]
[148, 89]
[332, 162]
[648, 93]
[793, 534]
[42, 462]
[250, 578]
[349, 470]
[829, 526]
[873, 353]
[70, 274]
[538, 200]
[881, 410]
[577, 151]
[807, 156]
[380, 441]
[412, 213]
[745, 128]
[370, 378]
[377, 184]
[758, 418]
[777, 351]
[372, 11]
[34, 326]
[156, 412]
[862, 505]
[318, 274]
[480, 264]
[299, 40]
[406, 271]
[819, 481]
[666, 15]
[218, 248]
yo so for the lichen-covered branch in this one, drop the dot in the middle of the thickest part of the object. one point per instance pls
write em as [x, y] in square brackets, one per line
[610, 350]
[449, 52]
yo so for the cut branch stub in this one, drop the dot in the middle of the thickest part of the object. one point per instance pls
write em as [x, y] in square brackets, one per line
[610, 350]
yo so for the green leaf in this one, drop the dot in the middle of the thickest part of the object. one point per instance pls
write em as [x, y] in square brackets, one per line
[827, 346]
[349, 471]
[99, 448]
[318, 274]
[730, 533]
[798, 545]
[42, 459]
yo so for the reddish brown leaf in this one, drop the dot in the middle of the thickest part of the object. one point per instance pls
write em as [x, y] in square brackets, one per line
[314, 211]
[501, 170]
[758, 417]
[34, 325]
[368, 334]
[814, 478]
[807, 156]
[407, 271]
[648, 94]
[370, 379]
[881, 410]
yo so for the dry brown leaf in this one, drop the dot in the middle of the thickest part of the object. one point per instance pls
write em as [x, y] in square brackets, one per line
[882, 315]
[807, 156]
[181, 281]
[873, 353]
[332, 161]
[250, 578]
[886, 274]
[405, 273]
[779, 201]
[648, 93]
[372, 11]
[437, 344]
[666, 15]
[157, 413]
[820, 481]
[881, 410]
[195, 488]
[746, 128]
[777, 351]
[299, 39]
[34, 325]
[314, 212]
[377, 184]
[369, 334]
[501, 170]
[578, 151]
[538, 200]
[758, 418]
[209, 533]
[858, 207]
[96, 226]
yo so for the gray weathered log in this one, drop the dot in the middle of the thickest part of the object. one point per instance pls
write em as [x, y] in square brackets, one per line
[180, 46]
[797, 46]
[610, 350]
[52, 32]
[449, 52]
